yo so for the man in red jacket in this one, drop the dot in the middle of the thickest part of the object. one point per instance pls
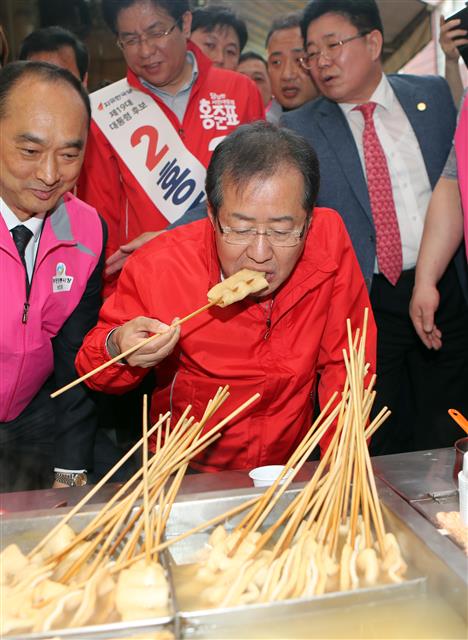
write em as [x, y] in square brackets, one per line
[153, 132]
[261, 217]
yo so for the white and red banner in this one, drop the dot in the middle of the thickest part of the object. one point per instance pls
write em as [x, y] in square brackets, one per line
[149, 145]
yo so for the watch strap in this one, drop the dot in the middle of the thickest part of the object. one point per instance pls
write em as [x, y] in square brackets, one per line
[72, 479]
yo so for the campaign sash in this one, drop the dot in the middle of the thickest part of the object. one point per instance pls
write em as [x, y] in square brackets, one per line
[150, 147]
[461, 149]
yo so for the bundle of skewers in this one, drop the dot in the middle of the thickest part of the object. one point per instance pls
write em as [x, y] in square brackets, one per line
[110, 570]
[332, 535]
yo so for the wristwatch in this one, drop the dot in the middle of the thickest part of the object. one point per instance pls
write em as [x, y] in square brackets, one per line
[71, 479]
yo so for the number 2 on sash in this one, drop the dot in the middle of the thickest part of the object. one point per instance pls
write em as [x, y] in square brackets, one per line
[153, 156]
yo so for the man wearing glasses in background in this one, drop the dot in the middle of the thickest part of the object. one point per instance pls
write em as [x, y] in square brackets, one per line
[382, 143]
[261, 217]
[153, 132]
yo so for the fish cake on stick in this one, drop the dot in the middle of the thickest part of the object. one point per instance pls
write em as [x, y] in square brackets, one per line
[237, 287]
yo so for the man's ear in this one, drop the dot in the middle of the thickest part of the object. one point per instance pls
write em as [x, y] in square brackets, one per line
[186, 25]
[84, 82]
[375, 43]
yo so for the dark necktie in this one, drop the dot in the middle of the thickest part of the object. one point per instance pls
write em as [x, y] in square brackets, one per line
[387, 231]
[21, 236]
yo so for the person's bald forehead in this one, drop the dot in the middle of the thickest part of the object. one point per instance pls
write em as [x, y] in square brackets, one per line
[33, 88]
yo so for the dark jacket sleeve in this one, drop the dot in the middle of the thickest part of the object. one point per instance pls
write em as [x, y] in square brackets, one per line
[197, 212]
[76, 421]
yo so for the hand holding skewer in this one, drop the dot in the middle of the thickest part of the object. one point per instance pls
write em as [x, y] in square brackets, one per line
[136, 330]
[232, 289]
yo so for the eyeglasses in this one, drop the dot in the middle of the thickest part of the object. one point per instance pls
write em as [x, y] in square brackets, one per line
[131, 43]
[276, 237]
[330, 51]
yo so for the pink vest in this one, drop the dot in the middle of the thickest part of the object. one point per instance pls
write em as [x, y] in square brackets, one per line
[461, 149]
[69, 250]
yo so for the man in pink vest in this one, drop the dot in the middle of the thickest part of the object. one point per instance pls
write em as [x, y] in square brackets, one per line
[51, 259]
[443, 234]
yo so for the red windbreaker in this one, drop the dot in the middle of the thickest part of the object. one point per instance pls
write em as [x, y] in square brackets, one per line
[107, 184]
[304, 336]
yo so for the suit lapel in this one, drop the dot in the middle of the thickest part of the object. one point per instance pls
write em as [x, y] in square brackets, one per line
[337, 132]
[417, 106]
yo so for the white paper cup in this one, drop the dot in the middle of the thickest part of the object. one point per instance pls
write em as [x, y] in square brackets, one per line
[265, 476]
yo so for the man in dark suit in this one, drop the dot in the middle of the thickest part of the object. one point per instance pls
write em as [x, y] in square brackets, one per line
[382, 143]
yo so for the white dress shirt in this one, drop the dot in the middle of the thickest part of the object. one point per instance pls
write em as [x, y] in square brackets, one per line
[410, 182]
[34, 224]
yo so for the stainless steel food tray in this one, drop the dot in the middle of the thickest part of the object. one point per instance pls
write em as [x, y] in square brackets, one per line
[27, 529]
[437, 567]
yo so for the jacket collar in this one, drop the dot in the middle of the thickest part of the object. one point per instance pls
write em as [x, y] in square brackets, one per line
[338, 134]
[203, 64]
[56, 230]
[417, 105]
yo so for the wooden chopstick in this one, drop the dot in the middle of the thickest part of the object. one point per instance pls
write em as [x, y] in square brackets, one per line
[128, 352]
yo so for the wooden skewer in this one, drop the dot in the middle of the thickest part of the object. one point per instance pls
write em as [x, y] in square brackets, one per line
[105, 533]
[271, 496]
[355, 422]
[204, 525]
[341, 462]
[133, 539]
[93, 491]
[161, 468]
[304, 504]
[146, 514]
[163, 465]
[129, 351]
[158, 436]
[168, 501]
[158, 528]
[250, 517]
[134, 524]
[108, 510]
[301, 508]
[377, 421]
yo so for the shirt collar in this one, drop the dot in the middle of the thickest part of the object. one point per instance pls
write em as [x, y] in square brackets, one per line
[34, 224]
[191, 59]
[383, 96]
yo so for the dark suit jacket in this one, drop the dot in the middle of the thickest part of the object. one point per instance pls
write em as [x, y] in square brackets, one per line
[342, 182]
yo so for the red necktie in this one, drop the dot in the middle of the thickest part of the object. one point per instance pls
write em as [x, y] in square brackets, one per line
[389, 255]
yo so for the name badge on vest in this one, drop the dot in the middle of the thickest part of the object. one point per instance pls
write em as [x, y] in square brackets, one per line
[61, 282]
[151, 148]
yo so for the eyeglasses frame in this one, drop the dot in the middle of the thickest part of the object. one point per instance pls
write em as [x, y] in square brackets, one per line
[316, 56]
[144, 38]
[267, 233]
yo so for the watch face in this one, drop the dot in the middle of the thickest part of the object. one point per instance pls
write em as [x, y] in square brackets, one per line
[80, 479]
